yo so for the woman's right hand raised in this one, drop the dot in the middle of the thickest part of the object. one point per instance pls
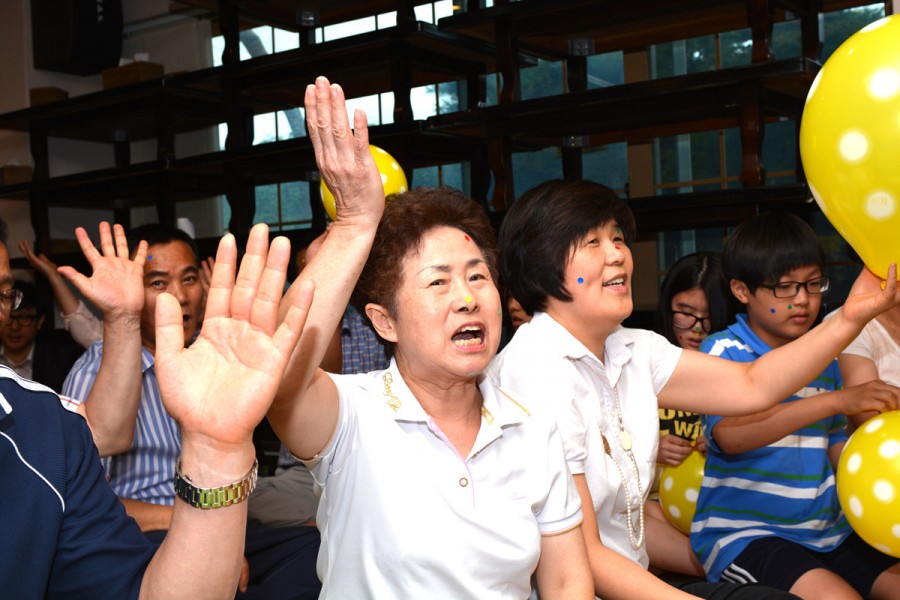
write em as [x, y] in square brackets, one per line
[342, 155]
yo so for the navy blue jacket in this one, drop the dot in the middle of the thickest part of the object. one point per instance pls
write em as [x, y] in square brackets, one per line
[63, 533]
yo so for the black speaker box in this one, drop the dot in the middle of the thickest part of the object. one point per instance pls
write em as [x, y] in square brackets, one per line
[81, 37]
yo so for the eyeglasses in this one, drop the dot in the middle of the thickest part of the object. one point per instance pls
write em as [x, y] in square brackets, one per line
[789, 289]
[686, 320]
[23, 320]
[10, 299]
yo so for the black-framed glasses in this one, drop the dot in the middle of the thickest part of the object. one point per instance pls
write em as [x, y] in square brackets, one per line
[10, 300]
[789, 289]
[23, 320]
[686, 320]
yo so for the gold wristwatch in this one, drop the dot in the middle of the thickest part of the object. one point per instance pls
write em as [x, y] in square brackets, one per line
[218, 497]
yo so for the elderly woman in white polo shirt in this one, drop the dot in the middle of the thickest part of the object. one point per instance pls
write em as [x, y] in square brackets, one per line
[433, 482]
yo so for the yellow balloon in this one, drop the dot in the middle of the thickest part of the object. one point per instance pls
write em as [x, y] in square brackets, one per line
[868, 482]
[849, 140]
[392, 177]
[678, 490]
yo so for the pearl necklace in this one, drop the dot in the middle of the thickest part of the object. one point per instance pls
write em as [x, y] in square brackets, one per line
[636, 537]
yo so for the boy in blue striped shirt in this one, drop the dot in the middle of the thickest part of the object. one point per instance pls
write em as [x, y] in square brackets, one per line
[768, 510]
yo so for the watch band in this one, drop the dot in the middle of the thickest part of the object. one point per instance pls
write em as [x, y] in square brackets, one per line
[217, 497]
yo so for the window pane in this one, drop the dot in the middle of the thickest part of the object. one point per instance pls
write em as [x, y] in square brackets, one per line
[424, 101]
[266, 204]
[787, 39]
[264, 128]
[295, 202]
[425, 177]
[291, 123]
[673, 245]
[780, 147]
[607, 165]
[369, 104]
[452, 176]
[737, 48]
[543, 80]
[448, 97]
[840, 25]
[285, 40]
[532, 168]
[349, 28]
[605, 70]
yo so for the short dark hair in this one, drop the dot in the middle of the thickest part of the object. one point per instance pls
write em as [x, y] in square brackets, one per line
[406, 219]
[4, 232]
[541, 228]
[701, 270]
[155, 233]
[765, 247]
[30, 296]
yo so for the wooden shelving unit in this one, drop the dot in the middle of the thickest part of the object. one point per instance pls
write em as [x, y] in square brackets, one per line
[466, 48]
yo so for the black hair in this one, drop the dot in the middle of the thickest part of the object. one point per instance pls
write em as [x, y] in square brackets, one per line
[765, 247]
[4, 232]
[30, 296]
[540, 230]
[698, 270]
[154, 233]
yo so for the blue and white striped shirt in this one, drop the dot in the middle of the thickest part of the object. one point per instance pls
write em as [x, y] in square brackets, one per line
[145, 472]
[786, 489]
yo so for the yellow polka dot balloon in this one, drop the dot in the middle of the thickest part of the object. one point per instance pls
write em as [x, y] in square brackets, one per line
[868, 482]
[392, 177]
[678, 490]
[849, 139]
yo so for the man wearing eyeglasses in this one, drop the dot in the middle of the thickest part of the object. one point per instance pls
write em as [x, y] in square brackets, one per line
[34, 353]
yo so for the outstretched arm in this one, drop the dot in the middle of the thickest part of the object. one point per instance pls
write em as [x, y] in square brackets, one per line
[83, 326]
[218, 390]
[305, 409]
[67, 301]
[116, 287]
[700, 381]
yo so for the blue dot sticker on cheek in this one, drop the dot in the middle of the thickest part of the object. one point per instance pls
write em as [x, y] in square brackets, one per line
[150, 257]
[772, 310]
[581, 280]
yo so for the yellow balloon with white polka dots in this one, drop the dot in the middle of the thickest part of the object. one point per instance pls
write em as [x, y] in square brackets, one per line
[678, 490]
[868, 482]
[850, 138]
[392, 177]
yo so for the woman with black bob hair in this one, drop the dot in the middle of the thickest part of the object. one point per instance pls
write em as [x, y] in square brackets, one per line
[564, 251]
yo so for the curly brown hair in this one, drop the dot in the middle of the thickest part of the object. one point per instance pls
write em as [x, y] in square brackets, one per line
[407, 218]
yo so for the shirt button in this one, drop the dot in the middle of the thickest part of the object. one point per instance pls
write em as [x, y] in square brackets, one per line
[463, 482]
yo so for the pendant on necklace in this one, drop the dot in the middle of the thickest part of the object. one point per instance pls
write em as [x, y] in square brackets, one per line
[626, 439]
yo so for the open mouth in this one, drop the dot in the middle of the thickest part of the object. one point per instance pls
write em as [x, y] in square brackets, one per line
[614, 282]
[468, 336]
